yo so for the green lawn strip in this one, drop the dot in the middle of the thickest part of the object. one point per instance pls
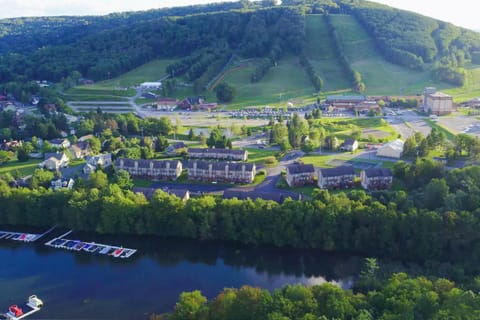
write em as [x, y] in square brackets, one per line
[257, 155]
[379, 75]
[321, 52]
[283, 82]
[343, 128]
[151, 71]
[99, 91]
[90, 97]
[259, 178]
[471, 89]
[142, 183]
[448, 134]
[25, 168]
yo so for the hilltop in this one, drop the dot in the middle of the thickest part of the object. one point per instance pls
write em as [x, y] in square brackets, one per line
[268, 53]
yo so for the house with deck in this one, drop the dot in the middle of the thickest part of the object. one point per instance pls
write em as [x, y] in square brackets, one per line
[300, 174]
[150, 169]
[336, 178]
[230, 172]
[80, 150]
[218, 154]
[376, 178]
[55, 161]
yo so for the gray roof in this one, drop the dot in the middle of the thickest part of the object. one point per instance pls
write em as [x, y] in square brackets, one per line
[55, 155]
[378, 172]
[57, 141]
[349, 142]
[142, 163]
[300, 168]
[216, 150]
[340, 98]
[337, 171]
[220, 165]
[242, 195]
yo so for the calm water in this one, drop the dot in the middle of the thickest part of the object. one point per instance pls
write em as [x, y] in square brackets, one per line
[82, 285]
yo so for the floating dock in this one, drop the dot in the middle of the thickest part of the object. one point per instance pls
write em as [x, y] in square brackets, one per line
[90, 247]
[22, 236]
[15, 312]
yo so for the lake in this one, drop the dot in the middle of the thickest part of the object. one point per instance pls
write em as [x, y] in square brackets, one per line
[81, 285]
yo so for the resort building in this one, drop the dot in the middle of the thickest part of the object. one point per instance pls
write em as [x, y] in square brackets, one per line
[218, 154]
[300, 174]
[339, 177]
[150, 169]
[436, 102]
[376, 178]
[231, 172]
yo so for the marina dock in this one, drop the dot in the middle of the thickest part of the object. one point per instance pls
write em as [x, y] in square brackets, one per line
[90, 247]
[22, 236]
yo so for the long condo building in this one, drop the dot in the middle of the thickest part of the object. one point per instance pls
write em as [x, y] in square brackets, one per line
[218, 154]
[150, 169]
[231, 172]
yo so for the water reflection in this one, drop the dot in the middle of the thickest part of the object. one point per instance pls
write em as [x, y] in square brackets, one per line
[87, 285]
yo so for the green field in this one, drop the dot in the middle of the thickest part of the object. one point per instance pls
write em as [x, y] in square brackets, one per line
[25, 168]
[472, 87]
[321, 53]
[380, 76]
[151, 71]
[343, 128]
[282, 83]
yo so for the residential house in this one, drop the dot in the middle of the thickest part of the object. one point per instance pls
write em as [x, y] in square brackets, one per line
[88, 169]
[175, 148]
[349, 145]
[104, 160]
[60, 143]
[376, 178]
[58, 184]
[167, 104]
[11, 145]
[80, 150]
[183, 194]
[218, 153]
[199, 170]
[339, 177]
[55, 161]
[392, 149]
[300, 174]
[190, 103]
[86, 137]
[150, 169]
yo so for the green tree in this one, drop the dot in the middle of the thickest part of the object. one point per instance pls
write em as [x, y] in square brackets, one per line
[123, 180]
[225, 92]
[435, 193]
[41, 178]
[297, 129]
[24, 151]
[97, 180]
[191, 306]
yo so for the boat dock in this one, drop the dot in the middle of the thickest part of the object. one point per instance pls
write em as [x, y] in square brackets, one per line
[15, 312]
[22, 236]
[90, 247]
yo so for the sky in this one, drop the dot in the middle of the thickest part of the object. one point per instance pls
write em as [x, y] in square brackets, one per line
[459, 12]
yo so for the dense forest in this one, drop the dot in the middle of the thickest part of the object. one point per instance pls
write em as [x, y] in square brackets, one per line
[52, 48]
[401, 297]
[436, 218]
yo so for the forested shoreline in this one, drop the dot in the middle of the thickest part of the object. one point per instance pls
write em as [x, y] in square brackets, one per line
[438, 221]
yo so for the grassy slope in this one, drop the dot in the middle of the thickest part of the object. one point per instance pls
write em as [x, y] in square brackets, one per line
[472, 87]
[320, 51]
[25, 168]
[151, 71]
[380, 76]
[286, 81]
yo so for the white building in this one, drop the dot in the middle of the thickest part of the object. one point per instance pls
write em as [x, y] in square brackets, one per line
[392, 149]
[150, 85]
[437, 102]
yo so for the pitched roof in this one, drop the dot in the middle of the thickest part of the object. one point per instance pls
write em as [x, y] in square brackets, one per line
[242, 195]
[217, 150]
[142, 163]
[337, 171]
[340, 98]
[396, 145]
[300, 168]
[220, 165]
[349, 142]
[55, 155]
[57, 141]
[378, 172]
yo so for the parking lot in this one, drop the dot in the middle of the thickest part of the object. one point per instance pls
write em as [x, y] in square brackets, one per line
[461, 124]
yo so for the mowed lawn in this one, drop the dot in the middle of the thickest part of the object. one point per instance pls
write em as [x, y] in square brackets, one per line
[151, 71]
[282, 83]
[322, 54]
[471, 89]
[380, 76]
[25, 168]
